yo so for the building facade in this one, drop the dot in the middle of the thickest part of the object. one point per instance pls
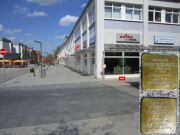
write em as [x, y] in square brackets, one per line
[109, 36]
[18, 53]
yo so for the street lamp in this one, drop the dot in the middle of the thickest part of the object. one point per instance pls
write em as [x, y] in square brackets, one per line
[40, 43]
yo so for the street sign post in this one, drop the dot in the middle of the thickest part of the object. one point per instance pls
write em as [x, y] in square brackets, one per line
[3, 52]
[159, 93]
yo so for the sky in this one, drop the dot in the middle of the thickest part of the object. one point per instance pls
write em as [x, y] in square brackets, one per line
[47, 21]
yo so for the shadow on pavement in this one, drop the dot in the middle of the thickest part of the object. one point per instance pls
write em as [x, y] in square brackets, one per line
[134, 84]
[64, 129]
[70, 129]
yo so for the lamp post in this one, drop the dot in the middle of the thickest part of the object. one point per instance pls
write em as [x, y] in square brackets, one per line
[40, 43]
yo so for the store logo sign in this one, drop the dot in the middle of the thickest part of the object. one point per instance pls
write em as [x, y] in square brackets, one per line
[77, 47]
[128, 38]
[164, 40]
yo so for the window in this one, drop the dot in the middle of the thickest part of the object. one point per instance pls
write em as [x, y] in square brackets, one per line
[121, 63]
[84, 26]
[113, 53]
[77, 33]
[112, 10]
[117, 11]
[129, 12]
[131, 53]
[108, 10]
[155, 14]
[133, 13]
[172, 16]
[91, 17]
[113, 65]
[92, 35]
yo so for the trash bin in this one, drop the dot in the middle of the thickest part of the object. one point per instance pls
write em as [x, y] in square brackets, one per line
[43, 73]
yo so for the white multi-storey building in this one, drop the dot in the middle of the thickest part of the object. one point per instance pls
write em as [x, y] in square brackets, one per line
[109, 35]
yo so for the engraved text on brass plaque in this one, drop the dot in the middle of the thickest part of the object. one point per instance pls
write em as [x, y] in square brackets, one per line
[159, 72]
[158, 116]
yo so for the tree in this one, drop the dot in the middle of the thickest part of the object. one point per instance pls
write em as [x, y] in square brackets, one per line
[57, 51]
[49, 58]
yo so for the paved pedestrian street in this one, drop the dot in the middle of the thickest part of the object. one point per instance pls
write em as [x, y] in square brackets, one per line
[71, 107]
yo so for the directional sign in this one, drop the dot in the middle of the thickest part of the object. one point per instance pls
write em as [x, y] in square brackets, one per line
[3, 52]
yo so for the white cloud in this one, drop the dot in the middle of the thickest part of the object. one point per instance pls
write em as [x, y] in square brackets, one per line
[28, 34]
[61, 37]
[67, 20]
[13, 31]
[37, 14]
[12, 38]
[20, 9]
[83, 5]
[1, 27]
[44, 2]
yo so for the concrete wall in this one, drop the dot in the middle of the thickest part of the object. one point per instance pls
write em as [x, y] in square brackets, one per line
[112, 27]
[164, 30]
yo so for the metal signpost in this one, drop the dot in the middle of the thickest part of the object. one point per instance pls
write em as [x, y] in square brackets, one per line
[159, 93]
[3, 52]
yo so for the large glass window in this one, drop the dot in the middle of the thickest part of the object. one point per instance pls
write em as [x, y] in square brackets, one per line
[131, 65]
[121, 63]
[113, 65]
[113, 53]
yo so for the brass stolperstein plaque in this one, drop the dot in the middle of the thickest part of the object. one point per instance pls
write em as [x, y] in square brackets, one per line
[159, 72]
[158, 116]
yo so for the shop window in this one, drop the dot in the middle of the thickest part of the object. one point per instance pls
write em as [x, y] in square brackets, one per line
[131, 53]
[113, 66]
[131, 65]
[113, 53]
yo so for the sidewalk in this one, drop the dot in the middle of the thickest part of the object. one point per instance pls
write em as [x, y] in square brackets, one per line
[60, 75]
[55, 75]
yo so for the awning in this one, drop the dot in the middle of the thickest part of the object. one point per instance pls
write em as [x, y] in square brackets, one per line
[5, 60]
[19, 61]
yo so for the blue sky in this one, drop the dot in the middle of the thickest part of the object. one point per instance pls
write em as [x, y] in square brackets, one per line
[44, 20]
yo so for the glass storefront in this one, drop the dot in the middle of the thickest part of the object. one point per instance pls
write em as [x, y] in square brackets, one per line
[121, 63]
